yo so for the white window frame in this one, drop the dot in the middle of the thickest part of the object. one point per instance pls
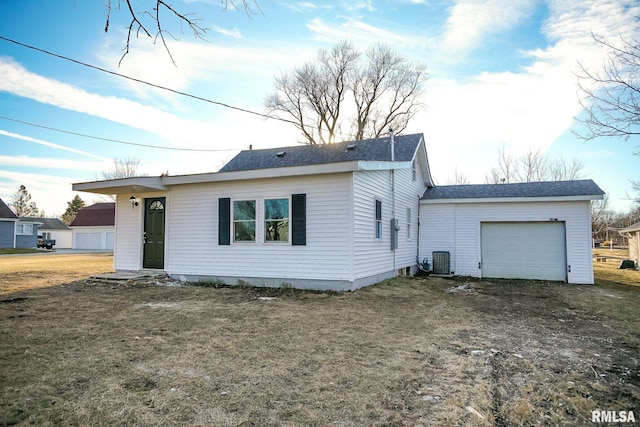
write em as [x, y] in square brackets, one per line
[234, 221]
[265, 219]
[21, 227]
[377, 221]
[408, 223]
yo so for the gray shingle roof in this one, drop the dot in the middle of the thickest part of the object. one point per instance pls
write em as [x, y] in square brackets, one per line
[48, 223]
[306, 155]
[525, 189]
[5, 212]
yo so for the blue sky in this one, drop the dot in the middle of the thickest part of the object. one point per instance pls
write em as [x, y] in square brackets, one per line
[502, 74]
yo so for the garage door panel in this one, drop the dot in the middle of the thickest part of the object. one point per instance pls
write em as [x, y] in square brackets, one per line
[527, 250]
[88, 240]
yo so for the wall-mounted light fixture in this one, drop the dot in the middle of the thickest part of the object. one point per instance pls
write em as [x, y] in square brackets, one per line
[133, 201]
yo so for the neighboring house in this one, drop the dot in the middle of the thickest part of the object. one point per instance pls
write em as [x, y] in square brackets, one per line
[8, 222]
[632, 233]
[94, 227]
[27, 232]
[337, 216]
[54, 228]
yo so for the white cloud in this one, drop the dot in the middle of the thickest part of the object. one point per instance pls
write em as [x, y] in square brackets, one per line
[235, 33]
[362, 34]
[529, 108]
[471, 20]
[53, 163]
[47, 144]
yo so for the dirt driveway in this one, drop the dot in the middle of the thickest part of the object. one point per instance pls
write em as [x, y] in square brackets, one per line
[411, 351]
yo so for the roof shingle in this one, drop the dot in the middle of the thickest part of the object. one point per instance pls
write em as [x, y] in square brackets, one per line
[524, 189]
[48, 223]
[377, 149]
[100, 214]
[5, 212]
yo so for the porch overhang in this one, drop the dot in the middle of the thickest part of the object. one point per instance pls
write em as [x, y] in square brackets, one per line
[141, 184]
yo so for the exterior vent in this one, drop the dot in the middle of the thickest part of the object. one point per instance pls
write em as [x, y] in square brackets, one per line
[441, 262]
[281, 154]
[351, 147]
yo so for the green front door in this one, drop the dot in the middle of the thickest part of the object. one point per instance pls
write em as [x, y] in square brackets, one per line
[154, 233]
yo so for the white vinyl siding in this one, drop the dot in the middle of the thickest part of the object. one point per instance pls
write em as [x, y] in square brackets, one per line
[456, 228]
[192, 228]
[374, 257]
[128, 242]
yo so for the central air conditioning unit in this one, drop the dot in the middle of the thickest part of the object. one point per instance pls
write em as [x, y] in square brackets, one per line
[441, 262]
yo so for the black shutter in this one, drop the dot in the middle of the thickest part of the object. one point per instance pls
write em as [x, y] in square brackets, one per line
[224, 221]
[299, 223]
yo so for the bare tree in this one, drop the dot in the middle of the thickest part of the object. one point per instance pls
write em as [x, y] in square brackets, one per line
[122, 168]
[505, 171]
[601, 216]
[611, 97]
[21, 203]
[565, 170]
[458, 178]
[150, 23]
[344, 91]
[532, 166]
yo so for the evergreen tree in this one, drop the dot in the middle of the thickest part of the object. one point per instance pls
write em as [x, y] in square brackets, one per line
[21, 203]
[72, 209]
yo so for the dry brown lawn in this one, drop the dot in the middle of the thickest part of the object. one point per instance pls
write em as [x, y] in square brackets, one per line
[411, 351]
[22, 272]
[606, 270]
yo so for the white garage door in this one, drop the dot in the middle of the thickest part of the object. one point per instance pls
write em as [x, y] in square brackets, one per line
[524, 250]
[89, 241]
[110, 240]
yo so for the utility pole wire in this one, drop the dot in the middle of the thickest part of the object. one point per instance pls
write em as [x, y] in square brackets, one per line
[114, 140]
[222, 104]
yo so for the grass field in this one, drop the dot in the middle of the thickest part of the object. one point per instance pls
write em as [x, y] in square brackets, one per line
[608, 273]
[411, 351]
[42, 269]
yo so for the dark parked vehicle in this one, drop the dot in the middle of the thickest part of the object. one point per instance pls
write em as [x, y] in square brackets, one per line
[45, 243]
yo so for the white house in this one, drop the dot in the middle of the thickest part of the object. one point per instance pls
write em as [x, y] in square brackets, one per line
[54, 229]
[338, 216]
[93, 228]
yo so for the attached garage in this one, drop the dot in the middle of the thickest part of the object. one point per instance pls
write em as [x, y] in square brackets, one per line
[523, 250]
[538, 231]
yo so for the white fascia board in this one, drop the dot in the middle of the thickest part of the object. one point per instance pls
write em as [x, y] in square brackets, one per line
[513, 199]
[378, 166]
[261, 173]
[162, 183]
[141, 184]
[30, 222]
[421, 149]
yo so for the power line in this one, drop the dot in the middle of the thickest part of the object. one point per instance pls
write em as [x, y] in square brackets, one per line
[117, 141]
[104, 70]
